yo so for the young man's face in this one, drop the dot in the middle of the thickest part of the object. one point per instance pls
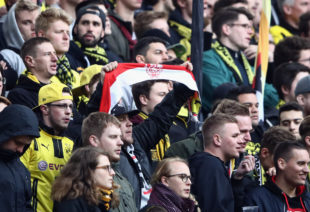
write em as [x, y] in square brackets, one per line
[25, 21]
[110, 141]
[157, 93]
[126, 129]
[245, 127]
[156, 54]
[45, 60]
[17, 143]
[250, 100]
[58, 114]
[89, 30]
[231, 141]
[295, 170]
[291, 120]
[239, 33]
[59, 35]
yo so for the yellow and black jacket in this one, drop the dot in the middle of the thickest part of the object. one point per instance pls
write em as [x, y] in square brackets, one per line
[44, 159]
[181, 32]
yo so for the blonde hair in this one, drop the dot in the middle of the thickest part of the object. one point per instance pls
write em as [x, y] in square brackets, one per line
[25, 5]
[49, 16]
[163, 169]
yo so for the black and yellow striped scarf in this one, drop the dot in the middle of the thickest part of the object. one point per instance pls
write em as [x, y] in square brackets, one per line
[186, 33]
[95, 55]
[106, 197]
[64, 72]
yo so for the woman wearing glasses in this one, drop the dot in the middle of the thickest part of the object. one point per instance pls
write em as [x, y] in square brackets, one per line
[85, 183]
[171, 183]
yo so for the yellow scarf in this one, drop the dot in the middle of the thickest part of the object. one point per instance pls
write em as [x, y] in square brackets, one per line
[226, 57]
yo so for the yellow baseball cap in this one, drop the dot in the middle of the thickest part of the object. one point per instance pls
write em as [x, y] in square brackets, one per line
[86, 76]
[51, 93]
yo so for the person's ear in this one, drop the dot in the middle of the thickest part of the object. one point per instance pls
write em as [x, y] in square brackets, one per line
[287, 9]
[307, 141]
[281, 163]
[140, 58]
[44, 109]
[300, 99]
[143, 100]
[217, 140]
[93, 140]
[285, 90]
[164, 180]
[264, 153]
[41, 33]
[29, 61]
[226, 29]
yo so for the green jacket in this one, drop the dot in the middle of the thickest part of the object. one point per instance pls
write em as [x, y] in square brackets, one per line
[187, 147]
[216, 72]
[126, 193]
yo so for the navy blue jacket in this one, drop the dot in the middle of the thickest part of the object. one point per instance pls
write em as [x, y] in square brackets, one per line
[270, 198]
[211, 186]
[15, 192]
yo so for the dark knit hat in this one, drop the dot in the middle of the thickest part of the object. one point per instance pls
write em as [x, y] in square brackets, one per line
[90, 9]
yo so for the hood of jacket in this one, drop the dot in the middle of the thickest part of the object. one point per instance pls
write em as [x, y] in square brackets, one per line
[17, 120]
[11, 32]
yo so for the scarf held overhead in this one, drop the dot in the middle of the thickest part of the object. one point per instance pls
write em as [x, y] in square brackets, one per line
[117, 83]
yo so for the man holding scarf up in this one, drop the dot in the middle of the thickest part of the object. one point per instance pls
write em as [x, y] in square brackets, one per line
[88, 31]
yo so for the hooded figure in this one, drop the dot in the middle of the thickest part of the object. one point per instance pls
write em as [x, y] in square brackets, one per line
[18, 127]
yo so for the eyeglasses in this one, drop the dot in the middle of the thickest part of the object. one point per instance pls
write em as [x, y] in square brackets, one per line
[183, 177]
[106, 167]
[245, 26]
[62, 106]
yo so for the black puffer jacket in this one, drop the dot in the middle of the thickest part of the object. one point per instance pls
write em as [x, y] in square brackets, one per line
[15, 192]
[147, 134]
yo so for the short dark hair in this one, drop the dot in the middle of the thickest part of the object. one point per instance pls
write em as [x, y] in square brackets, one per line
[226, 16]
[304, 128]
[143, 88]
[29, 47]
[275, 135]
[288, 49]
[220, 4]
[214, 124]
[143, 45]
[285, 74]
[242, 89]
[284, 150]
[290, 106]
[303, 27]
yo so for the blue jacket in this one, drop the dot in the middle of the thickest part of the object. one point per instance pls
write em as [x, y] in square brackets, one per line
[270, 198]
